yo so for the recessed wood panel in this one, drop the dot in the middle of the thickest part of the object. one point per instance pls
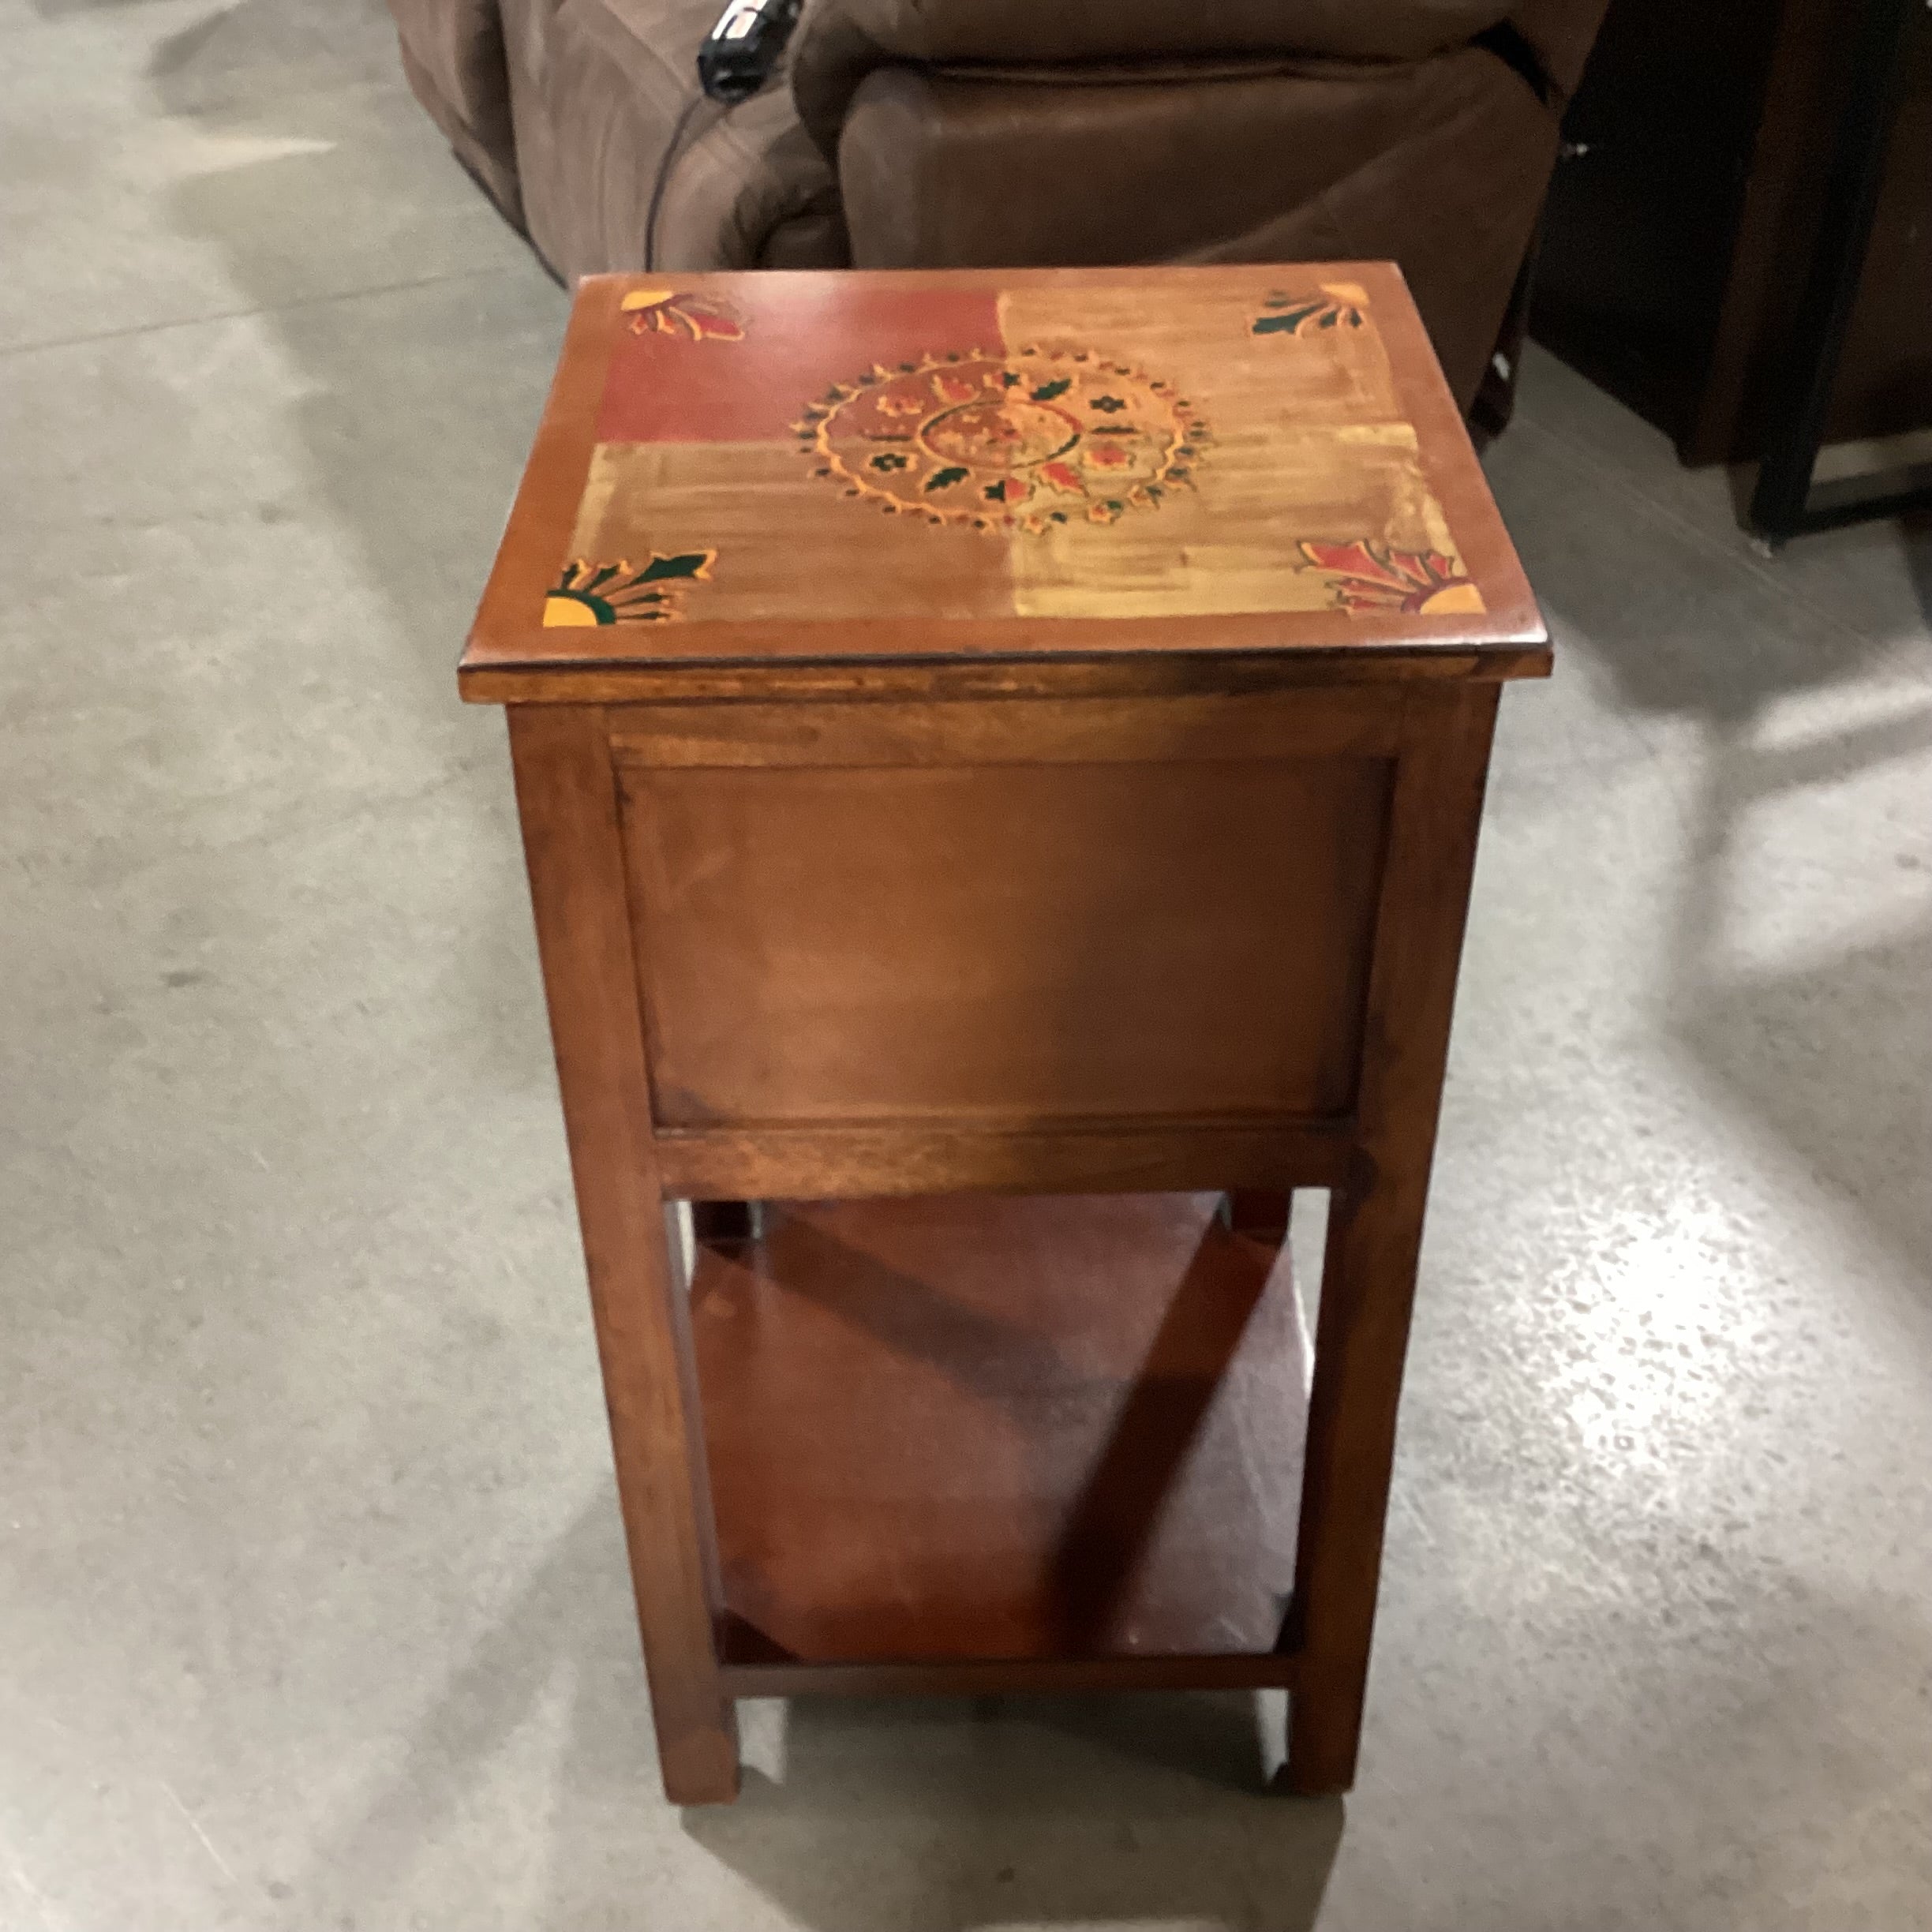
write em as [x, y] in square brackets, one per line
[1012, 944]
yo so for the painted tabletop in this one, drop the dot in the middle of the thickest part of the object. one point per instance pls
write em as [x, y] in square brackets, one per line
[906, 466]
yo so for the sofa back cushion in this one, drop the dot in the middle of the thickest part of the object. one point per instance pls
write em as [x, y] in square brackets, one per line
[840, 42]
[1025, 31]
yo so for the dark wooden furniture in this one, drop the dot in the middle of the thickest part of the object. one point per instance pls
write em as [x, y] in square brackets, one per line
[1788, 498]
[1000, 759]
[1685, 222]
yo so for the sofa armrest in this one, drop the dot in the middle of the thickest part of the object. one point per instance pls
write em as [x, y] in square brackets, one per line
[1562, 32]
[454, 59]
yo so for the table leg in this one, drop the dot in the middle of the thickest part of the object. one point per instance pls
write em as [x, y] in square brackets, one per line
[566, 797]
[724, 1220]
[1361, 1334]
[1375, 1227]
[1260, 1213]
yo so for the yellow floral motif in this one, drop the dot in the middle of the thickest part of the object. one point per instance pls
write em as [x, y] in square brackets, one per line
[615, 594]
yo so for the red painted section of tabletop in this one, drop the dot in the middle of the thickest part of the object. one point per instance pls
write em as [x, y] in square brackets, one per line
[699, 369]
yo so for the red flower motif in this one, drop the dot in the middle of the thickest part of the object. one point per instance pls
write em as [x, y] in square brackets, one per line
[1371, 576]
[1064, 477]
[1107, 456]
[664, 312]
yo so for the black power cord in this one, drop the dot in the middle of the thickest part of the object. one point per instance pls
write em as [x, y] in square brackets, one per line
[673, 149]
[739, 58]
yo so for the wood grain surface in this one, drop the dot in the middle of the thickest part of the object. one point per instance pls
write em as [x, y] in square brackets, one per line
[1008, 945]
[748, 468]
[959, 1428]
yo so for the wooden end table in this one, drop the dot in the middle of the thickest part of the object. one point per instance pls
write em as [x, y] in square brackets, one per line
[1000, 758]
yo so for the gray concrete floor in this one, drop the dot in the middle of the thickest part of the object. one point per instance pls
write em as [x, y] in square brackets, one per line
[312, 1609]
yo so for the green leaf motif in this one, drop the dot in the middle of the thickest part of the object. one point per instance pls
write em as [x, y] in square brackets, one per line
[691, 564]
[945, 479]
[1047, 391]
[1324, 311]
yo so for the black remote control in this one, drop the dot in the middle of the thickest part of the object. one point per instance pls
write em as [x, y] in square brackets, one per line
[742, 51]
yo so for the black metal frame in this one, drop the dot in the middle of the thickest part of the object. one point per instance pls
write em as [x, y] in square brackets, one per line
[1786, 503]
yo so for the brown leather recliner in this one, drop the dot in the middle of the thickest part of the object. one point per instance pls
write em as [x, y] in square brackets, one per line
[1021, 132]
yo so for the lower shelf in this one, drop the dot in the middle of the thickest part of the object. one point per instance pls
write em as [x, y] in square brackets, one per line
[1042, 1441]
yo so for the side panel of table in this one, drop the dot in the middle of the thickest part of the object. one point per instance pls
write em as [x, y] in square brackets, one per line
[889, 948]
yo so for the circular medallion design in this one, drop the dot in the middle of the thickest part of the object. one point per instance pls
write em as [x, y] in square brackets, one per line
[1025, 440]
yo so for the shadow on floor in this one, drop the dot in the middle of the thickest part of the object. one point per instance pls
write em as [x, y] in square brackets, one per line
[1046, 1811]
[895, 1816]
[66, 9]
[420, 338]
[416, 341]
[1830, 1056]
[1832, 1052]
[1687, 629]
[1062, 1815]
